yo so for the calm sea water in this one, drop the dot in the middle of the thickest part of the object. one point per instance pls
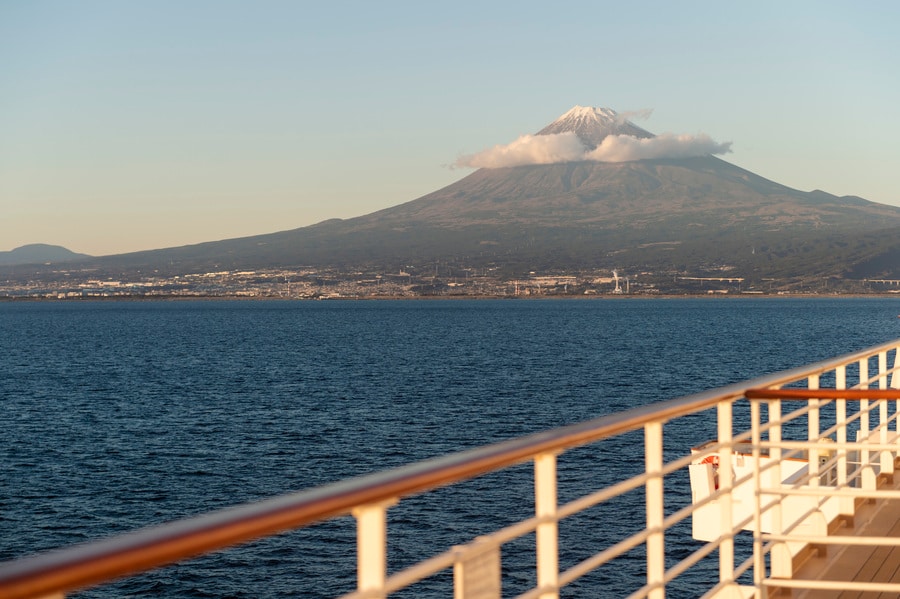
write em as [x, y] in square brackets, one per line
[119, 415]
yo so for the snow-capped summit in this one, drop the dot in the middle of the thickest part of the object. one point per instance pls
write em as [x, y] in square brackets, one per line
[591, 125]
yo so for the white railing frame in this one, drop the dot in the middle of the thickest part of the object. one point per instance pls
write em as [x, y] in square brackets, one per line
[885, 451]
[369, 499]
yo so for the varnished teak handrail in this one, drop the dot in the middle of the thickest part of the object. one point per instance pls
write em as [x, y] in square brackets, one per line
[850, 394]
[78, 567]
[82, 566]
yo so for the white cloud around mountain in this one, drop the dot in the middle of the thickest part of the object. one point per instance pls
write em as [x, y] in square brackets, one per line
[623, 148]
[566, 147]
[528, 149]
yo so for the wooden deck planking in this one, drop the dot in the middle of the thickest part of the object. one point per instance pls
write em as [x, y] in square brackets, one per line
[858, 563]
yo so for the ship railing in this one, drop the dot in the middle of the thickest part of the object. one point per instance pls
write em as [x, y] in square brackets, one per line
[476, 564]
[843, 474]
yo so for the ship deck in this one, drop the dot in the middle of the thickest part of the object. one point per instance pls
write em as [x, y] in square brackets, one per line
[868, 564]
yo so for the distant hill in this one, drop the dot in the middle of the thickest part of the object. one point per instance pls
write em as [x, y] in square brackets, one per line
[40, 253]
[690, 213]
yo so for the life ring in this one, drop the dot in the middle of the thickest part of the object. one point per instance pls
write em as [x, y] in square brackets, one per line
[714, 460]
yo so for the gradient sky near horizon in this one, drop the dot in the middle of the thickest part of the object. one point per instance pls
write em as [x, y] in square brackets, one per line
[138, 125]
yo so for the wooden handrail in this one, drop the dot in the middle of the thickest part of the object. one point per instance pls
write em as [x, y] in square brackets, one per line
[86, 565]
[853, 394]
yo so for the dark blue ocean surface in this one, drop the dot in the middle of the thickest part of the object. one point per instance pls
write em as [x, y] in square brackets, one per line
[119, 415]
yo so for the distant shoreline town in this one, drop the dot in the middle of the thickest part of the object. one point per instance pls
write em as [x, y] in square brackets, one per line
[323, 284]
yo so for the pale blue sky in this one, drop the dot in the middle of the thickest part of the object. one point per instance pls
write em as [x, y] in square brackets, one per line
[138, 125]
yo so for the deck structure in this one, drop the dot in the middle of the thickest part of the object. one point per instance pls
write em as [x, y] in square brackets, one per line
[807, 527]
[863, 570]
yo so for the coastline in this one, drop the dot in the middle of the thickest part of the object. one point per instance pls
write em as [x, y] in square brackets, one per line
[455, 297]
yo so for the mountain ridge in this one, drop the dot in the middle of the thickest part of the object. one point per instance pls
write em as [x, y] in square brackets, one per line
[696, 213]
[34, 253]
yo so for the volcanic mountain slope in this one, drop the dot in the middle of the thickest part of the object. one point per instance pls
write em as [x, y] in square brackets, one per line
[687, 214]
[631, 195]
[696, 214]
[39, 253]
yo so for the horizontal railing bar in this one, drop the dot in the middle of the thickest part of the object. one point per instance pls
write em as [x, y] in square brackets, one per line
[414, 573]
[683, 513]
[805, 410]
[857, 415]
[610, 553]
[848, 394]
[743, 567]
[514, 531]
[692, 559]
[863, 541]
[601, 495]
[582, 503]
[739, 525]
[635, 482]
[644, 591]
[442, 561]
[832, 430]
[795, 455]
[82, 566]
[827, 585]
[833, 445]
[536, 592]
[712, 448]
[744, 437]
[784, 419]
[679, 515]
[531, 593]
[85, 565]
[716, 591]
[825, 490]
[445, 560]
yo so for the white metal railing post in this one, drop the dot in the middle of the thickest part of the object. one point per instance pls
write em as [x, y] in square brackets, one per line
[371, 546]
[867, 476]
[477, 564]
[725, 433]
[547, 532]
[656, 545]
[813, 428]
[846, 504]
[780, 558]
[885, 458]
[895, 376]
[759, 562]
[895, 384]
[864, 373]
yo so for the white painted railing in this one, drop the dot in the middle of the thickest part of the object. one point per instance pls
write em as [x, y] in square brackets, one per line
[848, 472]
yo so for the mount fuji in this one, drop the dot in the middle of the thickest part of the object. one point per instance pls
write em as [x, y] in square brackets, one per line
[593, 125]
[681, 210]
